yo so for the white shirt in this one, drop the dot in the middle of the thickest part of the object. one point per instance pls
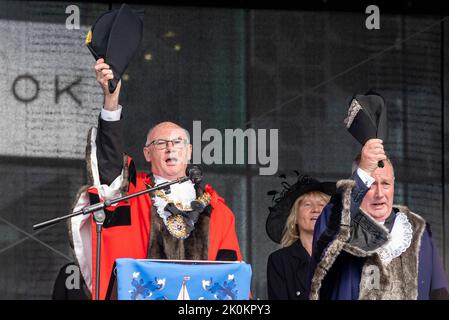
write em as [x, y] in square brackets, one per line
[365, 177]
[184, 192]
[107, 115]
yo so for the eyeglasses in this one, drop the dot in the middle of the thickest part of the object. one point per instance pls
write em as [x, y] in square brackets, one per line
[161, 144]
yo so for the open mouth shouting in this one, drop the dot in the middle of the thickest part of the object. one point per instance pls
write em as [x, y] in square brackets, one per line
[378, 205]
[171, 160]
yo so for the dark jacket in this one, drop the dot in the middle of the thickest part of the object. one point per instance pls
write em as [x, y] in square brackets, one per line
[287, 273]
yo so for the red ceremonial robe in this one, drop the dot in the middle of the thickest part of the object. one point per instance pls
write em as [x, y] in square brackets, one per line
[126, 232]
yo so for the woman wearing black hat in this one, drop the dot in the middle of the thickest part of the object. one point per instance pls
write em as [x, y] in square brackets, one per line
[290, 223]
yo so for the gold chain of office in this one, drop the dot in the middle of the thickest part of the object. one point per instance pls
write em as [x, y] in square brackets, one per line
[204, 199]
[176, 224]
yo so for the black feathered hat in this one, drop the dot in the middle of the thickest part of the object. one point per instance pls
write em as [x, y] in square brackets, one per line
[283, 201]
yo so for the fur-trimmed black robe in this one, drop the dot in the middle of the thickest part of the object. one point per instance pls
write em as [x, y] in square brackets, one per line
[345, 263]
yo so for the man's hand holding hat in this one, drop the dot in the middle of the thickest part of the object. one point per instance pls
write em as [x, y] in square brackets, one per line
[372, 152]
[103, 74]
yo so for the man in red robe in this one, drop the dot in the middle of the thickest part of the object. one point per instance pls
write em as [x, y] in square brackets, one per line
[185, 223]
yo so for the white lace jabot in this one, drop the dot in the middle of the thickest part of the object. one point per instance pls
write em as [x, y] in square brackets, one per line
[184, 192]
[401, 238]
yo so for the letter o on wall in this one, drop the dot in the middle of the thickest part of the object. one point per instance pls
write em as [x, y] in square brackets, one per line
[25, 77]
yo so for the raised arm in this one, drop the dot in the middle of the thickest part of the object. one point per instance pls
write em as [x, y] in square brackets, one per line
[109, 140]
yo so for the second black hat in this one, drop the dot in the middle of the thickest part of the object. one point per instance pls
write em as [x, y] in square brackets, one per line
[367, 117]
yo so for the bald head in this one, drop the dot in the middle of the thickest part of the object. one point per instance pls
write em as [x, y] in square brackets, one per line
[165, 126]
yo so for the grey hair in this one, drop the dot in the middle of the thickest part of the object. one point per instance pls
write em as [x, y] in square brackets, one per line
[152, 128]
[358, 158]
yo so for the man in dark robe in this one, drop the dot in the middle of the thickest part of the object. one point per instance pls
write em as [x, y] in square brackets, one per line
[365, 247]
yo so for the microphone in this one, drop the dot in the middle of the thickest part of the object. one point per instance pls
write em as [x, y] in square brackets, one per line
[194, 173]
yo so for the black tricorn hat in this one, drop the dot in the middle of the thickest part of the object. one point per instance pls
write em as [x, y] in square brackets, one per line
[115, 36]
[283, 203]
[367, 117]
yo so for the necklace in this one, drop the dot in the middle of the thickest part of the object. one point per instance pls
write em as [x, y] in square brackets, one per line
[179, 217]
[202, 200]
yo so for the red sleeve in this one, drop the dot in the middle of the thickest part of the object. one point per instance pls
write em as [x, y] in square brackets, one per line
[222, 234]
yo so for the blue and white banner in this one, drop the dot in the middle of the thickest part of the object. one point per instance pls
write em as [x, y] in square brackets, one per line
[182, 280]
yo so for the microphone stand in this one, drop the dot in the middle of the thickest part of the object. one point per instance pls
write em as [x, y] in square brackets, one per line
[99, 216]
